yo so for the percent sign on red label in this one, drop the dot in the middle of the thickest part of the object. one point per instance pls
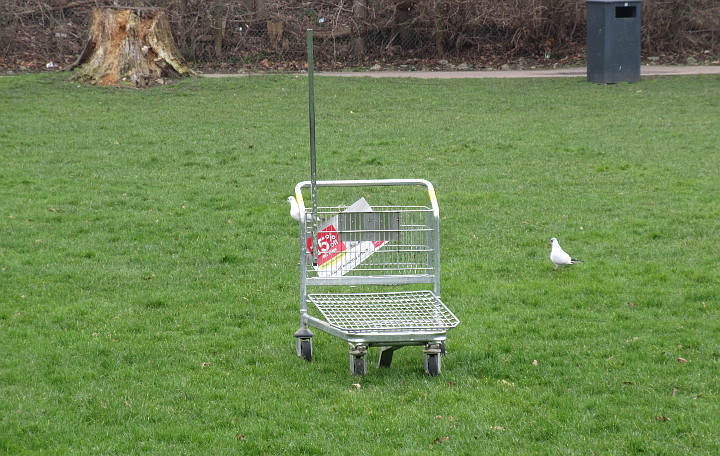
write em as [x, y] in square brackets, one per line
[329, 244]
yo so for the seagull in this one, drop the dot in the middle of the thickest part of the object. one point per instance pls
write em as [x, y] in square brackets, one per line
[558, 255]
[295, 210]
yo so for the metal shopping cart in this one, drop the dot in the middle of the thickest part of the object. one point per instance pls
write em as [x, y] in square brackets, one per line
[373, 270]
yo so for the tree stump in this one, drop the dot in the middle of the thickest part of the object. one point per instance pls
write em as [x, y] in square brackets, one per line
[129, 46]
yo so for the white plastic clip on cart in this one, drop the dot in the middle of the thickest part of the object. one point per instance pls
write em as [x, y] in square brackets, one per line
[363, 249]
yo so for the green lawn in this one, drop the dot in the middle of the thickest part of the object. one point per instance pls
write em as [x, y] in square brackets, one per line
[149, 283]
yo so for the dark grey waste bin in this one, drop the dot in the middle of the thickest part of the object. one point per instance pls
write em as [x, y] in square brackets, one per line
[613, 41]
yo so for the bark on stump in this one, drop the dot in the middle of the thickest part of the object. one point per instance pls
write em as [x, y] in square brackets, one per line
[129, 46]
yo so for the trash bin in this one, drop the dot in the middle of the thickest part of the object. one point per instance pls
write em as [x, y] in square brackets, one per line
[613, 41]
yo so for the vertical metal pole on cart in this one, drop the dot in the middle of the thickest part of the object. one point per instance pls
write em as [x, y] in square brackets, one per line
[313, 175]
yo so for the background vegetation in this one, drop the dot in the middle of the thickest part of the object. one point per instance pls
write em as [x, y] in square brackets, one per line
[270, 34]
[149, 283]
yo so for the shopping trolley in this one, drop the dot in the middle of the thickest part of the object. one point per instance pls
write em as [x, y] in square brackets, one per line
[373, 271]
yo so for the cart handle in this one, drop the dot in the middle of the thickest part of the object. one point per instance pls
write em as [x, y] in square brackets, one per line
[368, 183]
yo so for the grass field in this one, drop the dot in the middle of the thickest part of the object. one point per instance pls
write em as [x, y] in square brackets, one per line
[149, 284]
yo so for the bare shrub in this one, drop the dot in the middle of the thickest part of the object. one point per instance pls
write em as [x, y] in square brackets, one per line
[271, 33]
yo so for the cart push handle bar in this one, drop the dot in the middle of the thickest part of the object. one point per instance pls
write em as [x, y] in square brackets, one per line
[367, 183]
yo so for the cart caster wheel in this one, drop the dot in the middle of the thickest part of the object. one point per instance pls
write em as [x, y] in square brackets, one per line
[432, 365]
[306, 349]
[358, 367]
[432, 356]
[303, 343]
[358, 364]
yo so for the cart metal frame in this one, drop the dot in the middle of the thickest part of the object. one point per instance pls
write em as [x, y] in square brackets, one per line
[405, 255]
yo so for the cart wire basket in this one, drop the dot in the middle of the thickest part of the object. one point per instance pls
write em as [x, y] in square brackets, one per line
[371, 275]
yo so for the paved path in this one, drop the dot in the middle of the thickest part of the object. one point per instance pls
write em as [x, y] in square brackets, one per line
[645, 70]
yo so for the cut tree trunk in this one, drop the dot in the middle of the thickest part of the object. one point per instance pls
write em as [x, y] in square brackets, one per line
[129, 46]
[357, 43]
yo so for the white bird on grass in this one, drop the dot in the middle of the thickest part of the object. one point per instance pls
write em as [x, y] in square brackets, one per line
[295, 210]
[558, 255]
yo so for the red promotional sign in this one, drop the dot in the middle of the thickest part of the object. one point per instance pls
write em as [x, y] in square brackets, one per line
[329, 245]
